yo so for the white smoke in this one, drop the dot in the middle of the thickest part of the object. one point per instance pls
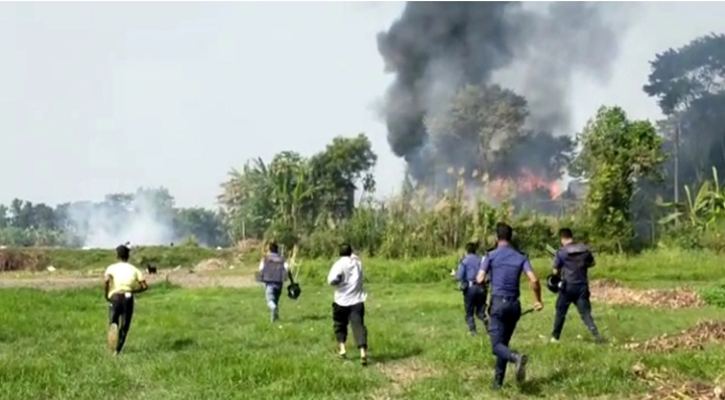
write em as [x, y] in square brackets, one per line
[139, 220]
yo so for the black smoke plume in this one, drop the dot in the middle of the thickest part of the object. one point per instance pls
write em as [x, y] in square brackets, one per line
[436, 48]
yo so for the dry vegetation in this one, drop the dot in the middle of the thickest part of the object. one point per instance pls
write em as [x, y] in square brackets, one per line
[613, 292]
[666, 387]
[693, 338]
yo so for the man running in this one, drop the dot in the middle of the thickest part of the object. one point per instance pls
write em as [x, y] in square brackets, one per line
[349, 302]
[273, 271]
[572, 263]
[504, 266]
[474, 293]
[122, 281]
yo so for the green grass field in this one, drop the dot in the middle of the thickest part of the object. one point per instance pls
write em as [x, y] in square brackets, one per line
[218, 343]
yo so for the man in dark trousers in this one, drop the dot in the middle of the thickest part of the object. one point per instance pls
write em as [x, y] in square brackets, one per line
[348, 306]
[571, 264]
[504, 266]
[273, 271]
[121, 281]
[474, 293]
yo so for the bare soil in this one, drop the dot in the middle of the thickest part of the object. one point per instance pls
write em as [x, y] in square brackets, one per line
[59, 281]
[612, 292]
[402, 374]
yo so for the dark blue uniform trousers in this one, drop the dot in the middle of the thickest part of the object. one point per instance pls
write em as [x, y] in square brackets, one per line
[504, 314]
[579, 295]
[474, 301]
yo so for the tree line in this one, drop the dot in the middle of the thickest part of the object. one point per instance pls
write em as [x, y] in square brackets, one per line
[630, 169]
[24, 223]
[644, 183]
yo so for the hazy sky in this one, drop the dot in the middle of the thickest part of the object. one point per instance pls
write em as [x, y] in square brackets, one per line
[98, 98]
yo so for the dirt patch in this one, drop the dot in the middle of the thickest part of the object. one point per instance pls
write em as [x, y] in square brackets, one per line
[402, 374]
[213, 264]
[693, 338]
[20, 260]
[181, 278]
[612, 292]
[49, 283]
[665, 387]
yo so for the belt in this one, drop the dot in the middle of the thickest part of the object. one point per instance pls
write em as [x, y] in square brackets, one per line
[505, 298]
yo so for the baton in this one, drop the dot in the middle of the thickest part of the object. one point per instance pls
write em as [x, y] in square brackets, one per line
[530, 310]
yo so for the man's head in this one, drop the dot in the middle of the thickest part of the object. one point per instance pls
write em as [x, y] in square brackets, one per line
[345, 250]
[504, 233]
[566, 236]
[273, 248]
[123, 253]
[471, 247]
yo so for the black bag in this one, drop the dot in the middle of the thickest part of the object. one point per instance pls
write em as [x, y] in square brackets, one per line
[293, 289]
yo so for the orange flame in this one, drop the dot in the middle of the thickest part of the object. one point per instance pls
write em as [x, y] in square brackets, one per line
[526, 183]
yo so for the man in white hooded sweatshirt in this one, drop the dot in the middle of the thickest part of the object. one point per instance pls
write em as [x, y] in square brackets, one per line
[349, 304]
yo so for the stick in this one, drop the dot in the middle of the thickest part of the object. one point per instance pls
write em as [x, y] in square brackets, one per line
[530, 310]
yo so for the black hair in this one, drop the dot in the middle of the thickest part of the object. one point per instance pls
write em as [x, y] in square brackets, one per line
[345, 250]
[504, 232]
[471, 247]
[123, 253]
[566, 233]
[273, 247]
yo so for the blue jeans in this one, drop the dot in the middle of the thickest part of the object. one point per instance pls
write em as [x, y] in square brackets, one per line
[272, 293]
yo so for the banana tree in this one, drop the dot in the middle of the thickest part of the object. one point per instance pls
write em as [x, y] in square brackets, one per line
[701, 210]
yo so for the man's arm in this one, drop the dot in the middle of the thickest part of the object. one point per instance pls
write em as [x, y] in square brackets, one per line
[335, 276]
[590, 260]
[142, 285]
[106, 284]
[460, 272]
[485, 266]
[558, 263]
[534, 283]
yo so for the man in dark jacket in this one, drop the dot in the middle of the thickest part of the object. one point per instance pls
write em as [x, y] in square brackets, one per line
[474, 293]
[273, 271]
[571, 264]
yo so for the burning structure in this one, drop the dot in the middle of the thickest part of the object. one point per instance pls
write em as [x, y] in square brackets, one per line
[452, 105]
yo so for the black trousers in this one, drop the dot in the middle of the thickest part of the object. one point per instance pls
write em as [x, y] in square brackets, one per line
[121, 313]
[579, 295]
[504, 313]
[474, 302]
[355, 316]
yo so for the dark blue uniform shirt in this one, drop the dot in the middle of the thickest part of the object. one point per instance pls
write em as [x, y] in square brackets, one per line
[468, 268]
[504, 266]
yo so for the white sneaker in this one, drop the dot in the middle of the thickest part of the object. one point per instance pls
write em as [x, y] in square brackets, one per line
[553, 340]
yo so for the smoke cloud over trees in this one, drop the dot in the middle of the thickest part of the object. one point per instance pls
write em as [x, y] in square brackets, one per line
[479, 84]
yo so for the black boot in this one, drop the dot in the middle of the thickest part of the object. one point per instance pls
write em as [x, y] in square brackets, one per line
[498, 382]
[520, 360]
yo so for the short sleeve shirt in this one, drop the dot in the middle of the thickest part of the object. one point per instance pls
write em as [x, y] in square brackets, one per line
[504, 266]
[124, 278]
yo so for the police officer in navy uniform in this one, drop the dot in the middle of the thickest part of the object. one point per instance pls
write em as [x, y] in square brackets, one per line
[474, 293]
[571, 264]
[504, 266]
